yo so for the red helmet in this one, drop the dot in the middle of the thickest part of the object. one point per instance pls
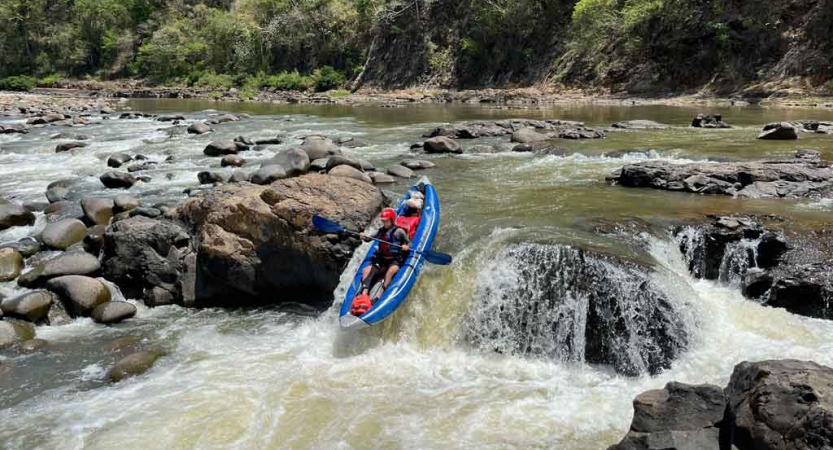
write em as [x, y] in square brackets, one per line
[388, 213]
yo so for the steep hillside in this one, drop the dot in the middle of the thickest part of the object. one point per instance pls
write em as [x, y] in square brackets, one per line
[641, 46]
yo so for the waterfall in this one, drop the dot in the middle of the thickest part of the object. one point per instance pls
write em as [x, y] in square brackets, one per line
[724, 257]
[573, 305]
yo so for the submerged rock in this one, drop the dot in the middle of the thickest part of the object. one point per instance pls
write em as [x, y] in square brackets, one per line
[574, 305]
[253, 241]
[639, 125]
[14, 332]
[132, 365]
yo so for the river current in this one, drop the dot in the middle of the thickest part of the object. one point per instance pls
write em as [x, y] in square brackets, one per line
[287, 378]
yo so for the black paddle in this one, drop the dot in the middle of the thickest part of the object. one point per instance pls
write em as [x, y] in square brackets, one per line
[328, 226]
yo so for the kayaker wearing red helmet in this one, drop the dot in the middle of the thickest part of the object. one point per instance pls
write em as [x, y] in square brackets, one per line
[388, 259]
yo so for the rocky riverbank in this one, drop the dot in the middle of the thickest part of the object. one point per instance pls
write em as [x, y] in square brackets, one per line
[767, 405]
[505, 98]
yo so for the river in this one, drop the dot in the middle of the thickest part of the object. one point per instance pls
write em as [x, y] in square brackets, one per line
[287, 378]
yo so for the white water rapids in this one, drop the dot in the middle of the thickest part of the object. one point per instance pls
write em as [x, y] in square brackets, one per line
[277, 379]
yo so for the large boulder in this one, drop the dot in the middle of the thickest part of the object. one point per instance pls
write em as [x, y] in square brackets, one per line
[442, 144]
[142, 253]
[268, 174]
[401, 172]
[69, 263]
[680, 416]
[319, 147]
[780, 405]
[350, 172]
[528, 135]
[11, 264]
[253, 241]
[337, 160]
[780, 131]
[294, 162]
[98, 211]
[32, 306]
[199, 128]
[220, 148]
[117, 180]
[113, 312]
[12, 215]
[79, 294]
[62, 234]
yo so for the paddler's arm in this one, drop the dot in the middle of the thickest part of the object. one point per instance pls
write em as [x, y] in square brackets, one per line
[403, 237]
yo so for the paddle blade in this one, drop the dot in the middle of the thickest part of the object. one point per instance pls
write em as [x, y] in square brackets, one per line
[440, 259]
[326, 226]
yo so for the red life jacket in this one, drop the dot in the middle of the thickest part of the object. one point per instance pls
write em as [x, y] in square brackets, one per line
[409, 224]
[386, 250]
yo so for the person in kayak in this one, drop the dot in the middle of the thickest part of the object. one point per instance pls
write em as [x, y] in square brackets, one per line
[387, 260]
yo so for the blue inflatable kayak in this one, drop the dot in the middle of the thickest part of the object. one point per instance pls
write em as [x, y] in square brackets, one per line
[405, 279]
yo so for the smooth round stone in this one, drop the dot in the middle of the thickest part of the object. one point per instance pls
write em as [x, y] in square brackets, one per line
[11, 264]
[80, 294]
[63, 233]
[113, 312]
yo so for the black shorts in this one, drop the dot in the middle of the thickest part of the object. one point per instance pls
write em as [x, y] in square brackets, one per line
[383, 262]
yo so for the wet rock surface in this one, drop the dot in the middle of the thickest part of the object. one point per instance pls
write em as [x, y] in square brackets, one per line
[767, 405]
[679, 416]
[140, 254]
[797, 178]
[576, 305]
[253, 241]
[771, 262]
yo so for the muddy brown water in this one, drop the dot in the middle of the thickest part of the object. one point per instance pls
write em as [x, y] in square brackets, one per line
[284, 379]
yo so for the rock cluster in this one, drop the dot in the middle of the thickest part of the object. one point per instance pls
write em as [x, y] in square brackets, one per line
[767, 405]
[788, 269]
[797, 178]
[551, 129]
[709, 121]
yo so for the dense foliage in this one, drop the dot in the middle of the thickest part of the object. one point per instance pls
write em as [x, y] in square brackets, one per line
[321, 44]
